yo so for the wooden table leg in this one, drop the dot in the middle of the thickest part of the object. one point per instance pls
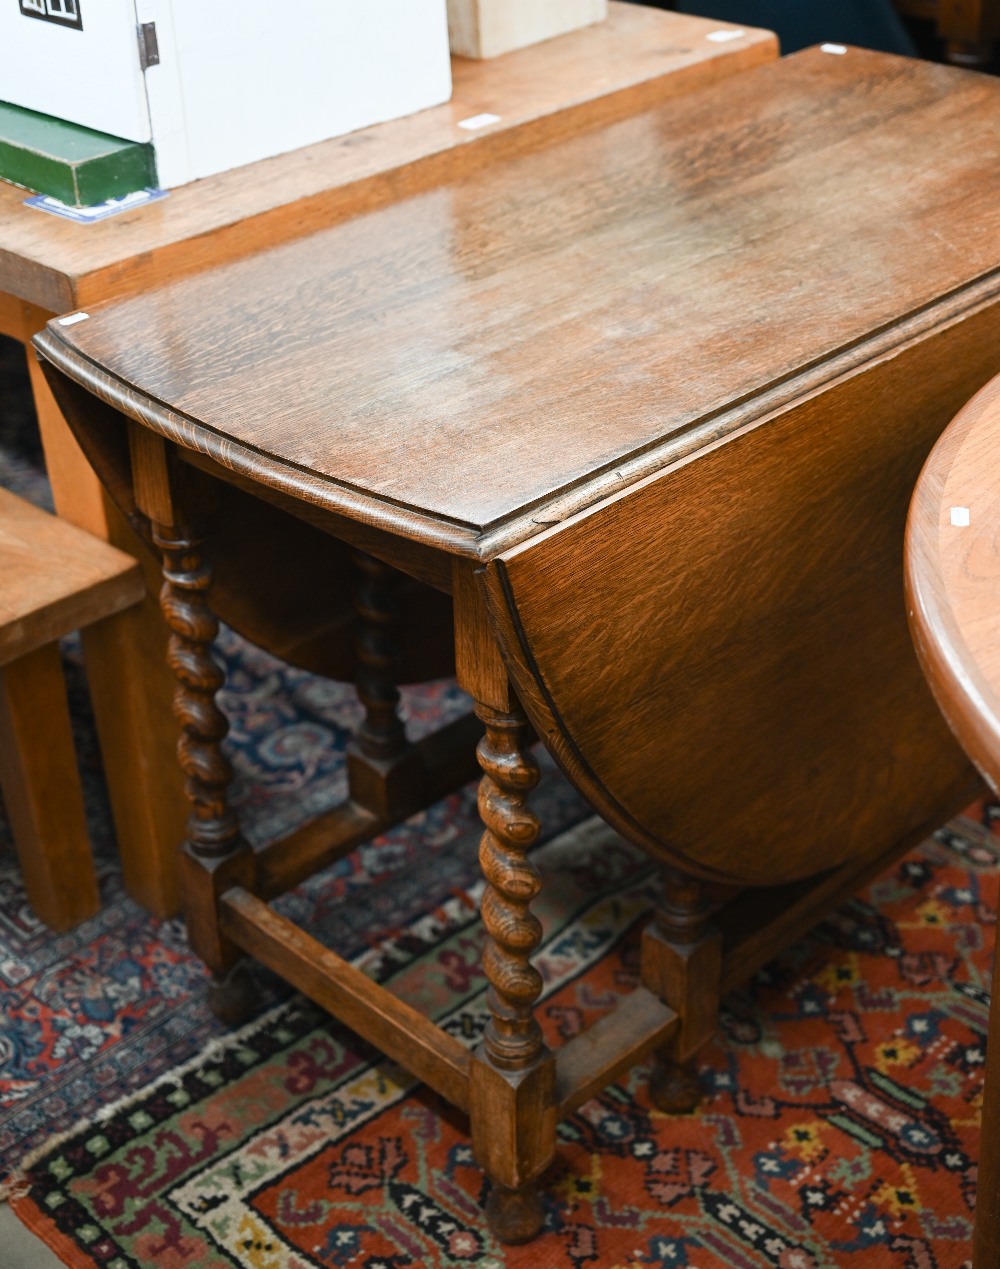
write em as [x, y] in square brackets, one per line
[512, 1093]
[682, 964]
[384, 771]
[512, 1084]
[215, 855]
[41, 789]
[130, 684]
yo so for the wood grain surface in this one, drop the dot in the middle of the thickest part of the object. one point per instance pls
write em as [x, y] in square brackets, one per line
[639, 56]
[485, 358]
[740, 619]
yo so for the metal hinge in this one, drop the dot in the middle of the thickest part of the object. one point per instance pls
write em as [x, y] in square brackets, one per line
[149, 50]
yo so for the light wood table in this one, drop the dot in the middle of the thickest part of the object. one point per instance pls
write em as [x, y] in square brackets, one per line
[637, 414]
[567, 85]
[953, 602]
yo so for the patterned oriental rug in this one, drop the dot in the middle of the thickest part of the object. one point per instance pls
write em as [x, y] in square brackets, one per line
[840, 1121]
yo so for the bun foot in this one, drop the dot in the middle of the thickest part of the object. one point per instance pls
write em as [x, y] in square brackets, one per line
[233, 997]
[514, 1216]
[674, 1088]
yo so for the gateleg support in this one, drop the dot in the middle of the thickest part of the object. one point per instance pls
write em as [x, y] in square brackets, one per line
[681, 963]
[387, 787]
[384, 770]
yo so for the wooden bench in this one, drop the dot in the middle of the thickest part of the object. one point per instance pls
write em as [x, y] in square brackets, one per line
[55, 578]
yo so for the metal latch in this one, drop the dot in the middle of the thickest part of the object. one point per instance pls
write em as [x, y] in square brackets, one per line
[149, 50]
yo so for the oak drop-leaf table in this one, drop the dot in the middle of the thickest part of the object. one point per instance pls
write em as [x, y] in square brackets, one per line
[624, 428]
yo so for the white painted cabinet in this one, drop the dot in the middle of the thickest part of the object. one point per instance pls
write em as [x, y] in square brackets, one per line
[228, 81]
[85, 70]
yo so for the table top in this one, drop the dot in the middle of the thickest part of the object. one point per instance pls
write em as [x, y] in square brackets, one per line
[479, 361]
[639, 55]
[953, 576]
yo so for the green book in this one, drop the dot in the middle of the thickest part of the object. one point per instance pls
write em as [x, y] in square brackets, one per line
[78, 166]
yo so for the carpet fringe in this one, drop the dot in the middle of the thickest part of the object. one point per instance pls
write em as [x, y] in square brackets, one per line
[14, 1186]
